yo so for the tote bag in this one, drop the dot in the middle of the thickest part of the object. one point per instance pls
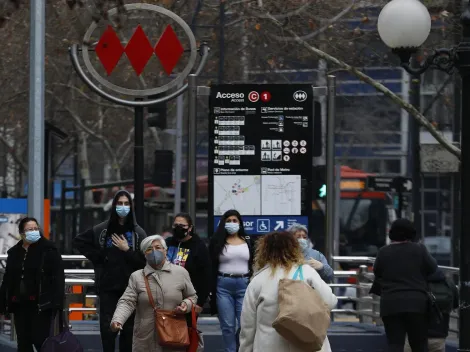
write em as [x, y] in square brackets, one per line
[304, 317]
[65, 341]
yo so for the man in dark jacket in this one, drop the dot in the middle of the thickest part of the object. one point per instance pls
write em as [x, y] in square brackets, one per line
[113, 247]
[33, 285]
[186, 249]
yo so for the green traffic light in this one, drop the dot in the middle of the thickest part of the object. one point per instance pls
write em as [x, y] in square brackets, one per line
[322, 191]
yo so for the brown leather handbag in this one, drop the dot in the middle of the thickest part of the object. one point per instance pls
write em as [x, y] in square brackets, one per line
[171, 327]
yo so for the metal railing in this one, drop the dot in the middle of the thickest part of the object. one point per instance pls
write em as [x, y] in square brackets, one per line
[366, 306]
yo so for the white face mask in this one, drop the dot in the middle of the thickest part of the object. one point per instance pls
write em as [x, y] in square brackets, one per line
[303, 244]
[232, 227]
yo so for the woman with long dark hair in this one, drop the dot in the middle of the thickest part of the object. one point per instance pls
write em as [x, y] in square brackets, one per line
[232, 260]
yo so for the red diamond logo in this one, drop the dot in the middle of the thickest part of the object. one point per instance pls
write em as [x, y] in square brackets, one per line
[139, 50]
[169, 49]
[109, 49]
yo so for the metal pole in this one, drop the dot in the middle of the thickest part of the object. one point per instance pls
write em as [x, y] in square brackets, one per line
[330, 168]
[414, 157]
[464, 67]
[191, 183]
[139, 164]
[36, 110]
[337, 193]
[178, 152]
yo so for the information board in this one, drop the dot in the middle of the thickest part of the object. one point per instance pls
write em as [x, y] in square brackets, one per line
[260, 154]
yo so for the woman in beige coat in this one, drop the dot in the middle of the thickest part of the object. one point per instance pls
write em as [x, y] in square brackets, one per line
[171, 288]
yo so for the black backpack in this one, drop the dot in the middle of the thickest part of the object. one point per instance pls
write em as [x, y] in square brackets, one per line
[443, 295]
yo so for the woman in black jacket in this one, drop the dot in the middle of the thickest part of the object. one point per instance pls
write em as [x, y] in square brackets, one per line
[231, 254]
[401, 270]
[33, 285]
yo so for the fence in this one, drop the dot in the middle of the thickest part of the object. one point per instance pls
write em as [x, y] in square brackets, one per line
[366, 306]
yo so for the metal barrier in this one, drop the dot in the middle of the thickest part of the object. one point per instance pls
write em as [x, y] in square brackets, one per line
[366, 310]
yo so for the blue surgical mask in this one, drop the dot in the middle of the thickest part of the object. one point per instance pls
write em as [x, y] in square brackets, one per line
[232, 227]
[303, 244]
[155, 258]
[123, 210]
[32, 236]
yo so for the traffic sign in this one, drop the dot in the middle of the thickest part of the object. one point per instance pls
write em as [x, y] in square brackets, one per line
[389, 184]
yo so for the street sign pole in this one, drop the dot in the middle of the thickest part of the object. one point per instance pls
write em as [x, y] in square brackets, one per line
[178, 152]
[139, 164]
[36, 111]
[191, 182]
[400, 204]
[330, 170]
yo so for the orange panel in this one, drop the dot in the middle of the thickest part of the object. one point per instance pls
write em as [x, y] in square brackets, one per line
[77, 289]
[76, 315]
[47, 218]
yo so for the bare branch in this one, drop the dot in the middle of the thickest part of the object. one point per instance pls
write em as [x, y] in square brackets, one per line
[86, 96]
[378, 86]
[12, 152]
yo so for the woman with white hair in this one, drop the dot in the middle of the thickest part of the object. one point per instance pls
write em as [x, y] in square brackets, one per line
[313, 257]
[170, 287]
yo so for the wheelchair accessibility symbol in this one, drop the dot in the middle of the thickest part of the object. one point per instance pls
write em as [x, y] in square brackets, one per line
[263, 225]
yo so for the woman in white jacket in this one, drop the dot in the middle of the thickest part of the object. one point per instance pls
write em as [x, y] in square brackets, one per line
[278, 256]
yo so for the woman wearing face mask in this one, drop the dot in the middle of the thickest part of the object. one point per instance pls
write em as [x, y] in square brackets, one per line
[113, 249]
[313, 257]
[170, 287]
[186, 249]
[232, 259]
[33, 285]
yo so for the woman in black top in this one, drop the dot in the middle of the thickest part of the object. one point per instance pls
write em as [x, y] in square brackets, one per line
[33, 285]
[400, 270]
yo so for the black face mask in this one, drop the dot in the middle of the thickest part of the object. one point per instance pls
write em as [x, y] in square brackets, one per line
[179, 232]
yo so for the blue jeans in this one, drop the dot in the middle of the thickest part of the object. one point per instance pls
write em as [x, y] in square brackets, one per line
[230, 294]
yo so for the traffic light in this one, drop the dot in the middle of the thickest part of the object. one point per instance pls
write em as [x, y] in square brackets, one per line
[163, 168]
[157, 114]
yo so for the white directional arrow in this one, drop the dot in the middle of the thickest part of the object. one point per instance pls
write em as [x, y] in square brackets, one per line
[408, 185]
[279, 225]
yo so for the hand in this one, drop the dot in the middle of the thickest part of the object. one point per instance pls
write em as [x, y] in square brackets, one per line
[182, 308]
[120, 242]
[198, 309]
[115, 326]
[315, 264]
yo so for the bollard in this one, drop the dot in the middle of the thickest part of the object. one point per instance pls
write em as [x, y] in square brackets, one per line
[360, 294]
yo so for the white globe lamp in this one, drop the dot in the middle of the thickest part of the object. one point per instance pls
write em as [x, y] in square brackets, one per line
[404, 25]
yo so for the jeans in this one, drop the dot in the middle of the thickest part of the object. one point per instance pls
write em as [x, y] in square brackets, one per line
[230, 294]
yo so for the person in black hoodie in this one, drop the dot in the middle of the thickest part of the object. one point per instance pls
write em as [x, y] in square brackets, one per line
[33, 286]
[401, 270]
[113, 247]
[231, 253]
[186, 249]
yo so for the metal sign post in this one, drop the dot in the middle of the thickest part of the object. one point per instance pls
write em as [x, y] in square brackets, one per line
[36, 111]
[330, 170]
[260, 155]
[169, 50]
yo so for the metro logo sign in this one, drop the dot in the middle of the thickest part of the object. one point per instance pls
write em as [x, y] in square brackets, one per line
[139, 50]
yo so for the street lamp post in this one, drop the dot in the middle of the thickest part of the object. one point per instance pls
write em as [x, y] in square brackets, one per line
[404, 26]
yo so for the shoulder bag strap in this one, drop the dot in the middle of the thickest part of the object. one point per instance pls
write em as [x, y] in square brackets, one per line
[149, 293]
